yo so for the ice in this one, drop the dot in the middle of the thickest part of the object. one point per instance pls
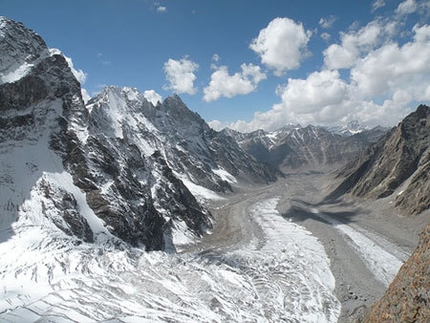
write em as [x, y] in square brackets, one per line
[66, 181]
[380, 258]
[283, 275]
[16, 74]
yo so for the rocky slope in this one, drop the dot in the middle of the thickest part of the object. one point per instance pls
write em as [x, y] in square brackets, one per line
[297, 146]
[116, 168]
[398, 166]
[408, 297]
[399, 162]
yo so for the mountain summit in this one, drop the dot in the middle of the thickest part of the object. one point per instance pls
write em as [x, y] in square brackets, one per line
[116, 168]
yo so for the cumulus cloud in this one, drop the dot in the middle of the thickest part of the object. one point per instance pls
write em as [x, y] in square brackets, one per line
[152, 96]
[282, 44]
[385, 84]
[393, 68]
[354, 44]
[180, 75]
[223, 84]
[318, 90]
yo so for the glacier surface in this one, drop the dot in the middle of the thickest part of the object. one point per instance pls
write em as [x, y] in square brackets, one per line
[284, 276]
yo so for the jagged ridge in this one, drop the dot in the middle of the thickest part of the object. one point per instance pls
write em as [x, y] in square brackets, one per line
[295, 146]
[399, 159]
[118, 167]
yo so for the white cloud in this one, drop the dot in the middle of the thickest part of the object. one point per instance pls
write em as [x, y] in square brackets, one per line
[325, 36]
[80, 75]
[161, 9]
[318, 90]
[152, 96]
[218, 125]
[386, 83]
[85, 96]
[354, 44]
[281, 45]
[378, 4]
[392, 68]
[216, 58]
[223, 84]
[407, 7]
[327, 22]
[180, 75]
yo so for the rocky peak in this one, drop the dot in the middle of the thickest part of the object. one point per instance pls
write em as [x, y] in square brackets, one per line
[20, 49]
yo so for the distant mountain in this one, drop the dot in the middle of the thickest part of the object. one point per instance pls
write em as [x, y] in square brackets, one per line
[116, 168]
[399, 162]
[295, 146]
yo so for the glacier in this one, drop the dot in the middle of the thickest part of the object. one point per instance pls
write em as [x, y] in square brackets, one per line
[282, 276]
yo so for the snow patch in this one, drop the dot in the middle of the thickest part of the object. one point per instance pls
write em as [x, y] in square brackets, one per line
[200, 192]
[224, 175]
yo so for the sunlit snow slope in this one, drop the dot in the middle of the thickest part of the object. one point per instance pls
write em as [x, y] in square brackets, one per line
[286, 278]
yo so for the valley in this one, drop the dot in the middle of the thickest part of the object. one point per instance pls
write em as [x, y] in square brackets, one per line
[365, 249]
[119, 210]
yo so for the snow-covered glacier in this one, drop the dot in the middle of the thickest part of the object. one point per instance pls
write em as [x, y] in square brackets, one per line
[283, 276]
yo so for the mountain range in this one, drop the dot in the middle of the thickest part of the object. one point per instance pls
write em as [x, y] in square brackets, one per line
[295, 146]
[120, 171]
[135, 165]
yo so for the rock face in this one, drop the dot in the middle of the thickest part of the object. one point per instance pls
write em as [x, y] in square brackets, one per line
[399, 164]
[408, 297]
[116, 168]
[399, 159]
[297, 146]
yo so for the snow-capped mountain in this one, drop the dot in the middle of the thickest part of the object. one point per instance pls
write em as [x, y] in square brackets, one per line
[86, 189]
[294, 146]
[118, 167]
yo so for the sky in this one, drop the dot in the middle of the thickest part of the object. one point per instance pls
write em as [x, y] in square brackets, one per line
[248, 64]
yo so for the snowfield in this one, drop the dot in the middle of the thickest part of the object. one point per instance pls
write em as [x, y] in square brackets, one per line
[283, 275]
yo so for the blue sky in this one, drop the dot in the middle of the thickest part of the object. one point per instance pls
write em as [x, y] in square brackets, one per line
[249, 64]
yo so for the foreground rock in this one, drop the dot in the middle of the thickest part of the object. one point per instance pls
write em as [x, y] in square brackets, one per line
[408, 297]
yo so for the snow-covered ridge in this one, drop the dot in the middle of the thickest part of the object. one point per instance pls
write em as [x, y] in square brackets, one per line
[295, 146]
[143, 171]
